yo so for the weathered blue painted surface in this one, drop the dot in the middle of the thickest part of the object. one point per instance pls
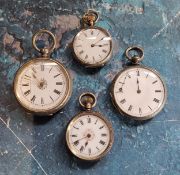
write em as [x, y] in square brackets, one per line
[36, 146]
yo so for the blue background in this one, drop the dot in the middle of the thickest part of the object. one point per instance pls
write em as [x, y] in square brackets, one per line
[36, 145]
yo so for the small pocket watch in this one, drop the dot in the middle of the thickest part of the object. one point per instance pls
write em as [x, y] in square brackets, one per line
[138, 91]
[89, 135]
[92, 46]
[42, 85]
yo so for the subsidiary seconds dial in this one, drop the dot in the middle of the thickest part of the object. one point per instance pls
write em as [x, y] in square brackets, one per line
[93, 46]
[139, 92]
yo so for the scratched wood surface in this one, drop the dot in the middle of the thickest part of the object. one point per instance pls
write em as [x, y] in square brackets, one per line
[36, 146]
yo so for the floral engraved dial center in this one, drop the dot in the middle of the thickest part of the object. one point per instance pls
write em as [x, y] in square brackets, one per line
[42, 84]
[89, 134]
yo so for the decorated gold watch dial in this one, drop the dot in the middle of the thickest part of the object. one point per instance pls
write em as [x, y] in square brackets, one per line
[42, 85]
[92, 46]
[89, 136]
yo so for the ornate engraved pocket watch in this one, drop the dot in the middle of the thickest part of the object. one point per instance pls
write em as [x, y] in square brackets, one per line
[42, 85]
[92, 46]
[89, 135]
[138, 91]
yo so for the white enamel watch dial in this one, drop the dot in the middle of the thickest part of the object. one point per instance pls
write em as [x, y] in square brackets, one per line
[89, 136]
[93, 46]
[139, 92]
[42, 86]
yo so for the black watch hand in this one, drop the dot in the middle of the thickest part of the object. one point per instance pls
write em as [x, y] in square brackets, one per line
[138, 90]
[92, 45]
[86, 143]
[100, 45]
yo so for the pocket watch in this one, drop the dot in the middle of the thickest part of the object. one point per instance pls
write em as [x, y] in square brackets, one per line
[42, 85]
[138, 91]
[92, 46]
[89, 135]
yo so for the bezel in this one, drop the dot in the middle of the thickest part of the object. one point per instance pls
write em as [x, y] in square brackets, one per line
[71, 123]
[132, 116]
[101, 63]
[59, 105]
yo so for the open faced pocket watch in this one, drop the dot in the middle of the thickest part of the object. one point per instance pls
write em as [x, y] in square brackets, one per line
[138, 91]
[89, 135]
[92, 46]
[42, 85]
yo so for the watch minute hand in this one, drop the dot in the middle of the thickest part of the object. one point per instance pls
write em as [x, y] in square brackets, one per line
[100, 45]
[97, 42]
[81, 138]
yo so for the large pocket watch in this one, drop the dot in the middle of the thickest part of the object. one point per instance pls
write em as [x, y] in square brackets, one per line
[89, 135]
[138, 91]
[92, 46]
[42, 85]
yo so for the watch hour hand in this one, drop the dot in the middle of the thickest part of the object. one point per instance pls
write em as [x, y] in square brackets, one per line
[86, 143]
[39, 83]
[34, 76]
[138, 90]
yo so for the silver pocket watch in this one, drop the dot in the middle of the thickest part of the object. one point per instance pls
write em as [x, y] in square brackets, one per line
[138, 91]
[92, 46]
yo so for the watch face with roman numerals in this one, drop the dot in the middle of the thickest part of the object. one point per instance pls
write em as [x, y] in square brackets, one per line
[42, 86]
[139, 92]
[93, 46]
[89, 136]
